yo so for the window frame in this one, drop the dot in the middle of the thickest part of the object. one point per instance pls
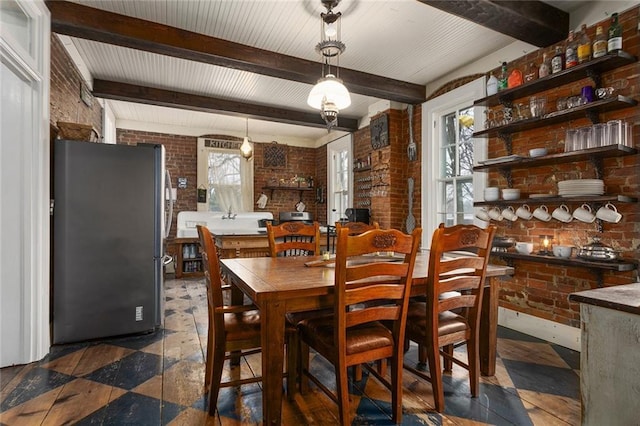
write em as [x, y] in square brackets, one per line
[433, 112]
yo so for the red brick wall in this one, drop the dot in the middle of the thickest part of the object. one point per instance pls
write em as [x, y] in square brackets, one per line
[65, 102]
[301, 162]
[539, 289]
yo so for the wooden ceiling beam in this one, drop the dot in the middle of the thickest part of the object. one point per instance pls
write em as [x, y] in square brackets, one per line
[80, 21]
[534, 22]
[152, 96]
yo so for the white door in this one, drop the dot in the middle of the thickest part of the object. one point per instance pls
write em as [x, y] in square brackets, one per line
[24, 181]
[339, 182]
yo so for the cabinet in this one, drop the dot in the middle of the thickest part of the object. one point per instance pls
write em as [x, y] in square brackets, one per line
[592, 110]
[188, 258]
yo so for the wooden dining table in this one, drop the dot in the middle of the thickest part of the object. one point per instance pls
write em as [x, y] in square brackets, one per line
[285, 284]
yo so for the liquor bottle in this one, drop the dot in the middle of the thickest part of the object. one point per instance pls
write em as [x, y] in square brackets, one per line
[584, 45]
[492, 85]
[614, 41]
[545, 66]
[599, 43]
[557, 62]
[504, 77]
[571, 52]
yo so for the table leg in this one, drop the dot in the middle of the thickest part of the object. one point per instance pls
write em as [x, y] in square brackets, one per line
[237, 298]
[489, 328]
[272, 320]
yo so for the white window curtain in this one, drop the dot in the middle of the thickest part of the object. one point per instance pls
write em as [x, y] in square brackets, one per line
[227, 179]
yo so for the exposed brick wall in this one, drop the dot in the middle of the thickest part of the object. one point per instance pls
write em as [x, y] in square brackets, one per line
[300, 162]
[542, 290]
[65, 102]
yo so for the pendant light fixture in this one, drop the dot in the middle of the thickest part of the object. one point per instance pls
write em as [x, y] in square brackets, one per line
[330, 95]
[246, 150]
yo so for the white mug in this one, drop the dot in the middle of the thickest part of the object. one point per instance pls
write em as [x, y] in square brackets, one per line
[562, 213]
[609, 213]
[495, 214]
[524, 212]
[542, 213]
[483, 214]
[509, 214]
[584, 214]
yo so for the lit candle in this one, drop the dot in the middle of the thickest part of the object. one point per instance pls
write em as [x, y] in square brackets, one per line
[545, 242]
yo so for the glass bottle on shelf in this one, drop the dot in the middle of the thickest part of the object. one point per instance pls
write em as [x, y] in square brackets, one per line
[557, 62]
[545, 66]
[584, 45]
[492, 85]
[599, 43]
[503, 81]
[614, 40]
[571, 52]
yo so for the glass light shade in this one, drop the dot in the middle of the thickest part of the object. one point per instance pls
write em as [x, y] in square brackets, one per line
[246, 150]
[329, 89]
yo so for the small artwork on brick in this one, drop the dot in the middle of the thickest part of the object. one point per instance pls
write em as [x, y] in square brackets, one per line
[275, 156]
[379, 132]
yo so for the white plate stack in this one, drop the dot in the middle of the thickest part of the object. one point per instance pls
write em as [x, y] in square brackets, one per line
[580, 187]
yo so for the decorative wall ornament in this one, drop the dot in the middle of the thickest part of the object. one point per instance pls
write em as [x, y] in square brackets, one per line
[379, 131]
[275, 156]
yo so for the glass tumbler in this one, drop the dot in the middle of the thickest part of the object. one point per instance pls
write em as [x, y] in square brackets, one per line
[585, 137]
[615, 131]
[570, 139]
[600, 135]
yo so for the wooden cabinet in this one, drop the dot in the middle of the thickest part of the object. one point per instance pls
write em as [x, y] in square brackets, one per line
[188, 258]
[230, 246]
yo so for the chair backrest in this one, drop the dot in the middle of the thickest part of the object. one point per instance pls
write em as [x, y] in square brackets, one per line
[381, 289]
[294, 239]
[356, 228]
[213, 279]
[461, 275]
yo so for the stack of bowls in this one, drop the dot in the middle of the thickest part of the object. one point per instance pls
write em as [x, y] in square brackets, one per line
[491, 193]
[510, 194]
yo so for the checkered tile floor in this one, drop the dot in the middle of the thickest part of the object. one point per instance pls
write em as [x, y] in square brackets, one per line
[156, 379]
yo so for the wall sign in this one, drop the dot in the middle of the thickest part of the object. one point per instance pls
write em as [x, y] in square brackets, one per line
[379, 132]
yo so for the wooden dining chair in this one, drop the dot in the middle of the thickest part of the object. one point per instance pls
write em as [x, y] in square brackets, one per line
[451, 313]
[355, 334]
[294, 239]
[231, 328]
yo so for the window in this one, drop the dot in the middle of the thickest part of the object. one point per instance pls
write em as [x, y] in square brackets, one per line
[456, 168]
[448, 155]
[225, 175]
[339, 182]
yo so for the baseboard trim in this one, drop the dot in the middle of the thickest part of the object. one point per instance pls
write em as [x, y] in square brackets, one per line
[551, 331]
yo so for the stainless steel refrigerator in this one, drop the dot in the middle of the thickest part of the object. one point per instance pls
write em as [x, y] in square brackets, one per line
[108, 240]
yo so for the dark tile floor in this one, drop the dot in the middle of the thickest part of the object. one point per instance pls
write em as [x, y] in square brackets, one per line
[156, 379]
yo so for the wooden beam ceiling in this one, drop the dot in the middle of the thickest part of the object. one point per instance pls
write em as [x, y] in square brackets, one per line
[80, 21]
[152, 96]
[534, 22]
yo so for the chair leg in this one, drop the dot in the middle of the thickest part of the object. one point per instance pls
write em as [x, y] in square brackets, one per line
[382, 367]
[435, 370]
[447, 363]
[396, 387]
[216, 377]
[303, 366]
[342, 385]
[422, 354]
[357, 372]
[293, 356]
[208, 363]
[474, 366]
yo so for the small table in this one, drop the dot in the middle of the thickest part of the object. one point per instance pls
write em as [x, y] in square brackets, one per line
[284, 284]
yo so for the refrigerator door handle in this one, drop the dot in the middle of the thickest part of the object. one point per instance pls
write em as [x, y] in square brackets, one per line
[169, 189]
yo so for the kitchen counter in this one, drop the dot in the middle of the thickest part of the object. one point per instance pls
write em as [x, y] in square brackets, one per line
[609, 367]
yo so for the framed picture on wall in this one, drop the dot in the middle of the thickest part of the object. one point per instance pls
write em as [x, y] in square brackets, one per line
[275, 156]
